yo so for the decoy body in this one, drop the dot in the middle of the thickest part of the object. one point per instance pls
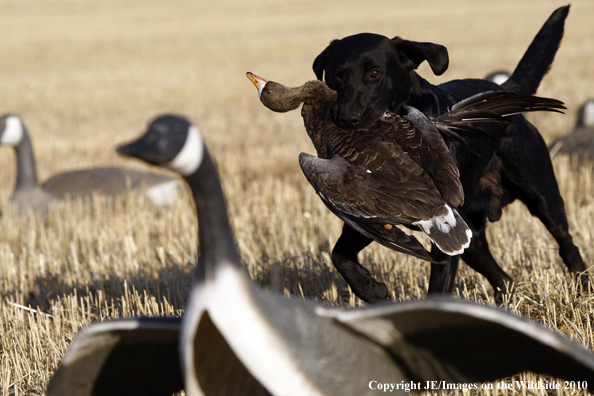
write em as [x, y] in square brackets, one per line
[236, 339]
[28, 193]
[397, 172]
[580, 141]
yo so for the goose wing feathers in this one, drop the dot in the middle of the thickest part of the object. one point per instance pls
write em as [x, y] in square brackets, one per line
[504, 104]
[393, 173]
[122, 357]
[397, 174]
[430, 151]
[449, 340]
[359, 192]
[491, 106]
[367, 202]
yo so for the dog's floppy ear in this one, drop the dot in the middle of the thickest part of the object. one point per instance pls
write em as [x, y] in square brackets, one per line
[321, 61]
[436, 55]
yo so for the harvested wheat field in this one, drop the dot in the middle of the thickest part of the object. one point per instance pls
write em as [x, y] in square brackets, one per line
[85, 76]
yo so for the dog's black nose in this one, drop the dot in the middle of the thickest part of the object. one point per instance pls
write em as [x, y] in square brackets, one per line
[349, 120]
[354, 119]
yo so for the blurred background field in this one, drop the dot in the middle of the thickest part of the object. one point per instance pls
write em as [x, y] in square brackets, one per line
[87, 75]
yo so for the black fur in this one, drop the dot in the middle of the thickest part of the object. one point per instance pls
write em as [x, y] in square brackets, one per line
[373, 74]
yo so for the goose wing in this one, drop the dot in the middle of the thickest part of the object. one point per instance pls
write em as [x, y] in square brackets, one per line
[442, 339]
[122, 357]
[423, 142]
[491, 106]
[373, 178]
[393, 195]
[393, 238]
[372, 194]
[422, 136]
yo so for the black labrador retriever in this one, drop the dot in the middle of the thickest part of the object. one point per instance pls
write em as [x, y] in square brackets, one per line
[373, 74]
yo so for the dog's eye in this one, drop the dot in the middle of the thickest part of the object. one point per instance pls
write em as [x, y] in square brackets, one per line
[375, 73]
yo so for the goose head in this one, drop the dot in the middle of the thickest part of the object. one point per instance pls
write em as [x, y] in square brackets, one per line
[12, 130]
[173, 142]
[275, 96]
[280, 98]
[170, 141]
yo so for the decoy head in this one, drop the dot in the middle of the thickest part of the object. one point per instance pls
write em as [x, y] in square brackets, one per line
[277, 97]
[171, 141]
[11, 130]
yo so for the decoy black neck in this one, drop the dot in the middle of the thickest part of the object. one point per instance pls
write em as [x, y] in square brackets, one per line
[216, 242]
[26, 168]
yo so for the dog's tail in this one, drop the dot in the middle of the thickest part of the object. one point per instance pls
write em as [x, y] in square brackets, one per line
[537, 60]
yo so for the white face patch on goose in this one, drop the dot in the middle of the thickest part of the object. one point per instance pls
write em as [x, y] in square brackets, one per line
[589, 114]
[13, 132]
[261, 88]
[189, 158]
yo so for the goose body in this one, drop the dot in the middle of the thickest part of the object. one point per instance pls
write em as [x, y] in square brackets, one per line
[580, 141]
[28, 193]
[236, 339]
[397, 172]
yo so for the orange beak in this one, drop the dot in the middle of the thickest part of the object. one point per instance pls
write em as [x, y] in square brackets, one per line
[256, 80]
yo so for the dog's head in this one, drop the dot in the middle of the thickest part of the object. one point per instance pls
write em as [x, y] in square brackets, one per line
[372, 74]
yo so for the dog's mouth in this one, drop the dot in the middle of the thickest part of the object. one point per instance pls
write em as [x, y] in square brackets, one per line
[356, 120]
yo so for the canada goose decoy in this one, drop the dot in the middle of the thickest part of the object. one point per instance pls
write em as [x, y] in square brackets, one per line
[399, 171]
[28, 193]
[498, 77]
[580, 141]
[236, 339]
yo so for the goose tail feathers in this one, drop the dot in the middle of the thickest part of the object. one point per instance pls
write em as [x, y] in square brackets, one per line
[449, 232]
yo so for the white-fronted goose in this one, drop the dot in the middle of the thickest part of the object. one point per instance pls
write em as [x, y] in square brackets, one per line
[28, 193]
[237, 339]
[580, 141]
[397, 172]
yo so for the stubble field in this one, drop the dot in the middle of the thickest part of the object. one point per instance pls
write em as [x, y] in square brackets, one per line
[86, 76]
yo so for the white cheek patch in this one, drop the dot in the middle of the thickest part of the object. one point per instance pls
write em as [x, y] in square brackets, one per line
[187, 161]
[261, 88]
[589, 114]
[13, 132]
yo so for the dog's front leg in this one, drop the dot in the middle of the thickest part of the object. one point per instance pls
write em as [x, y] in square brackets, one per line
[344, 257]
[443, 276]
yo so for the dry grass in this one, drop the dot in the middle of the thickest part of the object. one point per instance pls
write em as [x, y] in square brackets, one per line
[88, 75]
